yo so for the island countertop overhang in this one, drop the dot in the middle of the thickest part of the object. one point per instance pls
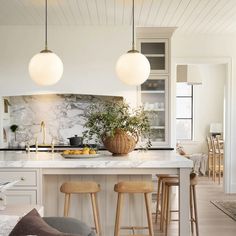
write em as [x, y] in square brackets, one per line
[136, 159]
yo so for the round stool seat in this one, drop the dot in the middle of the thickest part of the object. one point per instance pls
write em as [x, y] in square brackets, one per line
[175, 181]
[80, 187]
[134, 187]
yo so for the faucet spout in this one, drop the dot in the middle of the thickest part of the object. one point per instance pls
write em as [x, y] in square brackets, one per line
[43, 130]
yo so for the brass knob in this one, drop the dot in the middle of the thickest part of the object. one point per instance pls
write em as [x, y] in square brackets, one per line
[22, 179]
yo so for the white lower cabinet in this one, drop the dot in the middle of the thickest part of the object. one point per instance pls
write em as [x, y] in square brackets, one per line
[27, 190]
[27, 197]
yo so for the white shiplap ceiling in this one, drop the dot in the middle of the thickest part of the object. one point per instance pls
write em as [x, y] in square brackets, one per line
[190, 16]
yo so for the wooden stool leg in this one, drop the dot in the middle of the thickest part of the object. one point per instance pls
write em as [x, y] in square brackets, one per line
[149, 213]
[214, 167]
[191, 207]
[209, 165]
[98, 215]
[158, 197]
[162, 206]
[66, 204]
[118, 214]
[95, 213]
[219, 167]
[167, 209]
[195, 210]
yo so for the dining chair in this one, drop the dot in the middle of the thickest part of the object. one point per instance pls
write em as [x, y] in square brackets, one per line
[218, 156]
[210, 158]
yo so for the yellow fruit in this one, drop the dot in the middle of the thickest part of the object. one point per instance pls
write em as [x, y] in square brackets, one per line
[77, 152]
[85, 151]
[92, 152]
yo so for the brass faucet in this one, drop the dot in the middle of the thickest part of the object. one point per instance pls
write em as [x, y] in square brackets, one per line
[43, 130]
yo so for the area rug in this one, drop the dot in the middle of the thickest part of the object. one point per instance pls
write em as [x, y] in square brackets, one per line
[228, 207]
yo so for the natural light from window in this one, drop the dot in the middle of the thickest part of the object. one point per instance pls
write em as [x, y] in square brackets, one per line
[184, 111]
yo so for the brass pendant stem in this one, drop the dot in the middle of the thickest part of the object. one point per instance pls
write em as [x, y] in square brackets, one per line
[46, 25]
[133, 45]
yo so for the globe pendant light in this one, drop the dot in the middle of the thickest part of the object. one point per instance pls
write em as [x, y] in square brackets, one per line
[45, 68]
[133, 68]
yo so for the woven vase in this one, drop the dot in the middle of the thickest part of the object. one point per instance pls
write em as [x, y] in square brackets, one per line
[121, 143]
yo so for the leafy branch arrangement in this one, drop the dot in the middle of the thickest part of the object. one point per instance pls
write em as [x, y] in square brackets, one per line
[105, 118]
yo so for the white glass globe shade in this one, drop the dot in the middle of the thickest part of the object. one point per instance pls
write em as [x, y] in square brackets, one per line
[133, 68]
[45, 68]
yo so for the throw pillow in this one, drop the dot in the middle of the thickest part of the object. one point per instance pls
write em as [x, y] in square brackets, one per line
[33, 224]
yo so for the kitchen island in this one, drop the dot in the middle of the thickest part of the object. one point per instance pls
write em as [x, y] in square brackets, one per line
[42, 174]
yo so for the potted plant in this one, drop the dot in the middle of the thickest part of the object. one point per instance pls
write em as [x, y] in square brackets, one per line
[117, 126]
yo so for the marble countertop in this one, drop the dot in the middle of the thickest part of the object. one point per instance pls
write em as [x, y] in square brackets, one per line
[136, 159]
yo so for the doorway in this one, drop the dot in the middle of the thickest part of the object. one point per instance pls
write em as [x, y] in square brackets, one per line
[206, 109]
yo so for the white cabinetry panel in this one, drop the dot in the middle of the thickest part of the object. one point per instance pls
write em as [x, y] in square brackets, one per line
[27, 191]
[27, 178]
[21, 197]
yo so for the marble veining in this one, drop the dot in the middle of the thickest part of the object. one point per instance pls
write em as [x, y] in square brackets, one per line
[62, 114]
[135, 160]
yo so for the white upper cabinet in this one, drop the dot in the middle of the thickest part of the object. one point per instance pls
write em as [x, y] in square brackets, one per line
[154, 94]
[156, 51]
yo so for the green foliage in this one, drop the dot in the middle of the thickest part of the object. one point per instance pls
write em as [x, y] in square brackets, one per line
[103, 119]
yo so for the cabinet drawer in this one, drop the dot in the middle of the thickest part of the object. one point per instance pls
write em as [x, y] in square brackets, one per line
[26, 197]
[28, 178]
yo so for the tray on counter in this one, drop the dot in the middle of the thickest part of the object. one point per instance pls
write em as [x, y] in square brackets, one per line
[81, 156]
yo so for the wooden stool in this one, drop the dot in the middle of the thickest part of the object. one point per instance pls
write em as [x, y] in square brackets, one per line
[133, 187]
[82, 187]
[159, 187]
[165, 212]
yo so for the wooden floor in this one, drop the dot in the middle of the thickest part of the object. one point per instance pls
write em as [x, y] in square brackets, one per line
[212, 221]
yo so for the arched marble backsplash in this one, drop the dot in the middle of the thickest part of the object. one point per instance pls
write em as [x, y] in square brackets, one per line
[62, 114]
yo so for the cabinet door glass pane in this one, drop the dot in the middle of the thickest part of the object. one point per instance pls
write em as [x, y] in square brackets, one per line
[183, 107]
[153, 101]
[152, 84]
[153, 48]
[158, 135]
[183, 129]
[156, 118]
[157, 63]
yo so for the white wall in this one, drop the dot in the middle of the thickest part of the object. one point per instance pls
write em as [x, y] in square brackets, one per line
[89, 55]
[208, 105]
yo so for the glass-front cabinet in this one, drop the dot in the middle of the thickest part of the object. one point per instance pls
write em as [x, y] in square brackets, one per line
[154, 95]
[154, 99]
[156, 51]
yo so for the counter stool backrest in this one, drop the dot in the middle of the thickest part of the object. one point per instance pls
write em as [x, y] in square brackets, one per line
[209, 144]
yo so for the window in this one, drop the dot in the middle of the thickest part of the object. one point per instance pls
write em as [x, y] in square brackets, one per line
[184, 111]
